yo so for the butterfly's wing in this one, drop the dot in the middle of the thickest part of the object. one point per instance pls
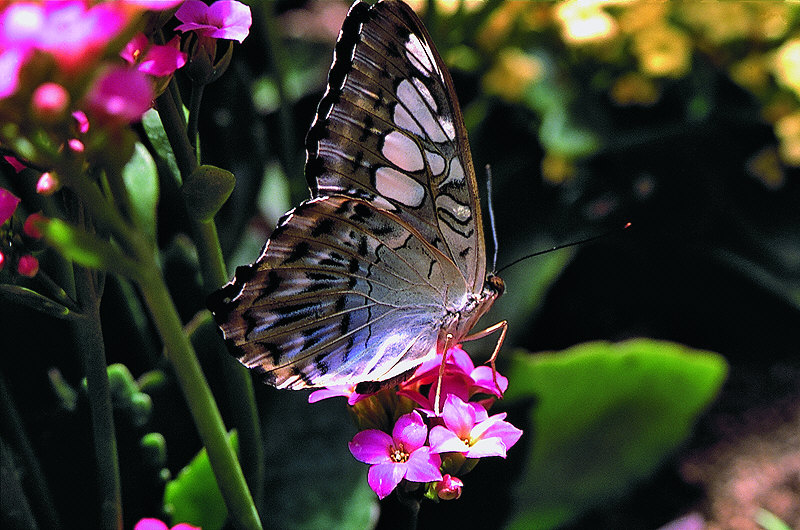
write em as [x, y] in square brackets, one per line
[389, 130]
[343, 293]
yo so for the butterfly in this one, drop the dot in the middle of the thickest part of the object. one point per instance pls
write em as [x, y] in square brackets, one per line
[385, 264]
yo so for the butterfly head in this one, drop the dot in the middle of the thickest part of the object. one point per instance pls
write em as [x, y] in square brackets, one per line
[494, 284]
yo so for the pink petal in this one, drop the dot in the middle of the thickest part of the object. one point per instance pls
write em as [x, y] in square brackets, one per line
[458, 416]
[15, 163]
[505, 432]
[410, 430]
[120, 96]
[423, 466]
[192, 11]
[384, 478]
[487, 447]
[20, 25]
[8, 203]
[162, 60]
[445, 441]
[484, 380]
[461, 359]
[371, 446]
[11, 62]
[233, 18]
[185, 526]
[152, 5]
[135, 48]
[150, 523]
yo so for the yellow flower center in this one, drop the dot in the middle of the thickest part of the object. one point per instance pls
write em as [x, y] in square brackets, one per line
[398, 454]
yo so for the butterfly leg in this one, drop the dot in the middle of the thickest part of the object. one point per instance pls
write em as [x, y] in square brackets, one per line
[436, 409]
[503, 327]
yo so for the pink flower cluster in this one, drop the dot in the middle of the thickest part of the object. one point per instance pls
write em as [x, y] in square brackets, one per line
[11, 247]
[425, 445]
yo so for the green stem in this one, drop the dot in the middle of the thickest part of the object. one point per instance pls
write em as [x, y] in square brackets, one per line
[41, 499]
[194, 112]
[238, 384]
[89, 337]
[201, 403]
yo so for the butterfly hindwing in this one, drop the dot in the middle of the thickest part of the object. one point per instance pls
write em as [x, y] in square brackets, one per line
[389, 129]
[342, 292]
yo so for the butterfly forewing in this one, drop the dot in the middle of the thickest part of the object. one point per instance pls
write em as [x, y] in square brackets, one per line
[385, 264]
[389, 129]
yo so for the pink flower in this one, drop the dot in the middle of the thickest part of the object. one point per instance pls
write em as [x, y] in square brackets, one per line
[449, 488]
[8, 204]
[156, 60]
[83, 121]
[401, 455]
[224, 19]
[468, 430]
[156, 524]
[120, 96]
[459, 362]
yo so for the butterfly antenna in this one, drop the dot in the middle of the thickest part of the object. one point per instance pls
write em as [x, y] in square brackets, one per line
[565, 245]
[491, 213]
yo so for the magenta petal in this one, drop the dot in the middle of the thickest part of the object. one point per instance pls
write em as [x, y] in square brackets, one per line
[192, 11]
[135, 47]
[120, 95]
[487, 447]
[11, 62]
[8, 203]
[371, 446]
[458, 416]
[150, 523]
[410, 430]
[460, 358]
[162, 60]
[445, 441]
[423, 466]
[504, 431]
[484, 380]
[233, 18]
[384, 478]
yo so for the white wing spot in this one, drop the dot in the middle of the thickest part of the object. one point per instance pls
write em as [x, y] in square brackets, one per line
[426, 94]
[418, 55]
[436, 162]
[410, 97]
[402, 151]
[395, 185]
[459, 211]
[404, 120]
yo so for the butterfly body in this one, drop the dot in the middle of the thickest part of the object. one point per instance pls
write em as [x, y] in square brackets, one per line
[385, 265]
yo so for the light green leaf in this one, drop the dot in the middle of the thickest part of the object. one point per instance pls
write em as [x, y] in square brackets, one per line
[87, 249]
[206, 190]
[141, 181]
[158, 137]
[605, 416]
[193, 496]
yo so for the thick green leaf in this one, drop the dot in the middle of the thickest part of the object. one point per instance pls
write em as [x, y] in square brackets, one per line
[194, 497]
[24, 296]
[86, 249]
[141, 180]
[605, 416]
[206, 190]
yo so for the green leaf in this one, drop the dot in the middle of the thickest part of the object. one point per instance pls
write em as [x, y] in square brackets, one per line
[141, 181]
[32, 299]
[86, 249]
[158, 137]
[206, 190]
[193, 496]
[770, 521]
[605, 416]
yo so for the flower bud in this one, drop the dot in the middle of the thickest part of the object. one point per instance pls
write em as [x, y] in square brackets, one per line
[50, 102]
[449, 488]
[28, 265]
[47, 184]
[30, 229]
